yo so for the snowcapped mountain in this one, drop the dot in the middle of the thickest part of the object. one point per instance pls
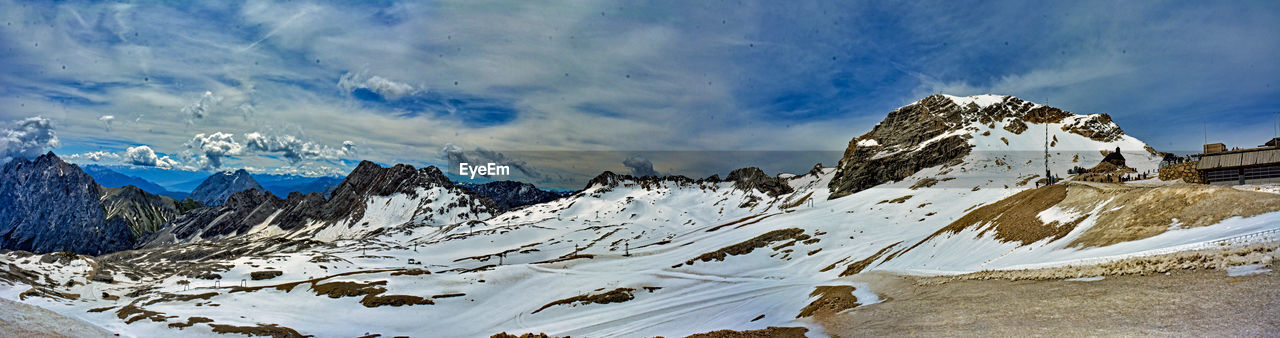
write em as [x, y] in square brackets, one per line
[369, 201]
[943, 186]
[943, 130]
[218, 187]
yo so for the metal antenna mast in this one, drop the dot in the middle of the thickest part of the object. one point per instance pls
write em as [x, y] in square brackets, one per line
[1047, 176]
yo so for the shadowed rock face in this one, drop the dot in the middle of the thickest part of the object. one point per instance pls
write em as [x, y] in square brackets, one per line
[511, 194]
[241, 212]
[750, 178]
[144, 212]
[929, 133]
[754, 178]
[49, 205]
[218, 187]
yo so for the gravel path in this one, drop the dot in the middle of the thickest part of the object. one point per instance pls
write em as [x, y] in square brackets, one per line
[1196, 303]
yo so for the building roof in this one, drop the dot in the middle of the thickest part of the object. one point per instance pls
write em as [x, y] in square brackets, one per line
[1240, 158]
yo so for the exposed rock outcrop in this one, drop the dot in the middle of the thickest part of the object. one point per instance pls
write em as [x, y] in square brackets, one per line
[49, 205]
[932, 132]
[144, 212]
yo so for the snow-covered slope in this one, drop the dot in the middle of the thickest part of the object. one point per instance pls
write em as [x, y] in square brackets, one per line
[643, 256]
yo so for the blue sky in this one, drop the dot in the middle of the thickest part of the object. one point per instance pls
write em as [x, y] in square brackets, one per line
[313, 87]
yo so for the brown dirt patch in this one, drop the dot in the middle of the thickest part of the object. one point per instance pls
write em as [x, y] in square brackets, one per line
[394, 300]
[896, 200]
[131, 313]
[263, 330]
[1148, 211]
[831, 300]
[858, 266]
[1015, 219]
[750, 245]
[190, 321]
[411, 272]
[614, 296]
[924, 183]
[349, 289]
[267, 274]
[772, 331]
[170, 297]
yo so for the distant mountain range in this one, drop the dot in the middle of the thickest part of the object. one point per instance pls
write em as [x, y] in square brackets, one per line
[112, 179]
[369, 201]
[511, 194]
[281, 185]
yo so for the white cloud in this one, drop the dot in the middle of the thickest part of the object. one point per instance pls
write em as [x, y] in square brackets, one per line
[143, 156]
[291, 147]
[208, 150]
[95, 156]
[106, 121]
[28, 137]
[202, 107]
[349, 147]
[388, 89]
[454, 154]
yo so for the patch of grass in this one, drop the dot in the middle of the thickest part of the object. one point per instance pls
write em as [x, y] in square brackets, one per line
[797, 202]
[614, 296]
[262, 330]
[566, 258]
[858, 266]
[169, 297]
[772, 331]
[740, 220]
[924, 183]
[348, 289]
[267, 274]
[1015, 219]
[394, 300]
[411, 272]
[131, 313]
[831, 300]
[190, 321]
[449, 295]
[100, 309]
[896, 200]
[750, 245]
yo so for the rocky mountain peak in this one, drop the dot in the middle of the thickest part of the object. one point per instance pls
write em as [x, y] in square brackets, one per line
[369, 178]
[935, 130]
[78, 223]
[218, 187]
[753, 178]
